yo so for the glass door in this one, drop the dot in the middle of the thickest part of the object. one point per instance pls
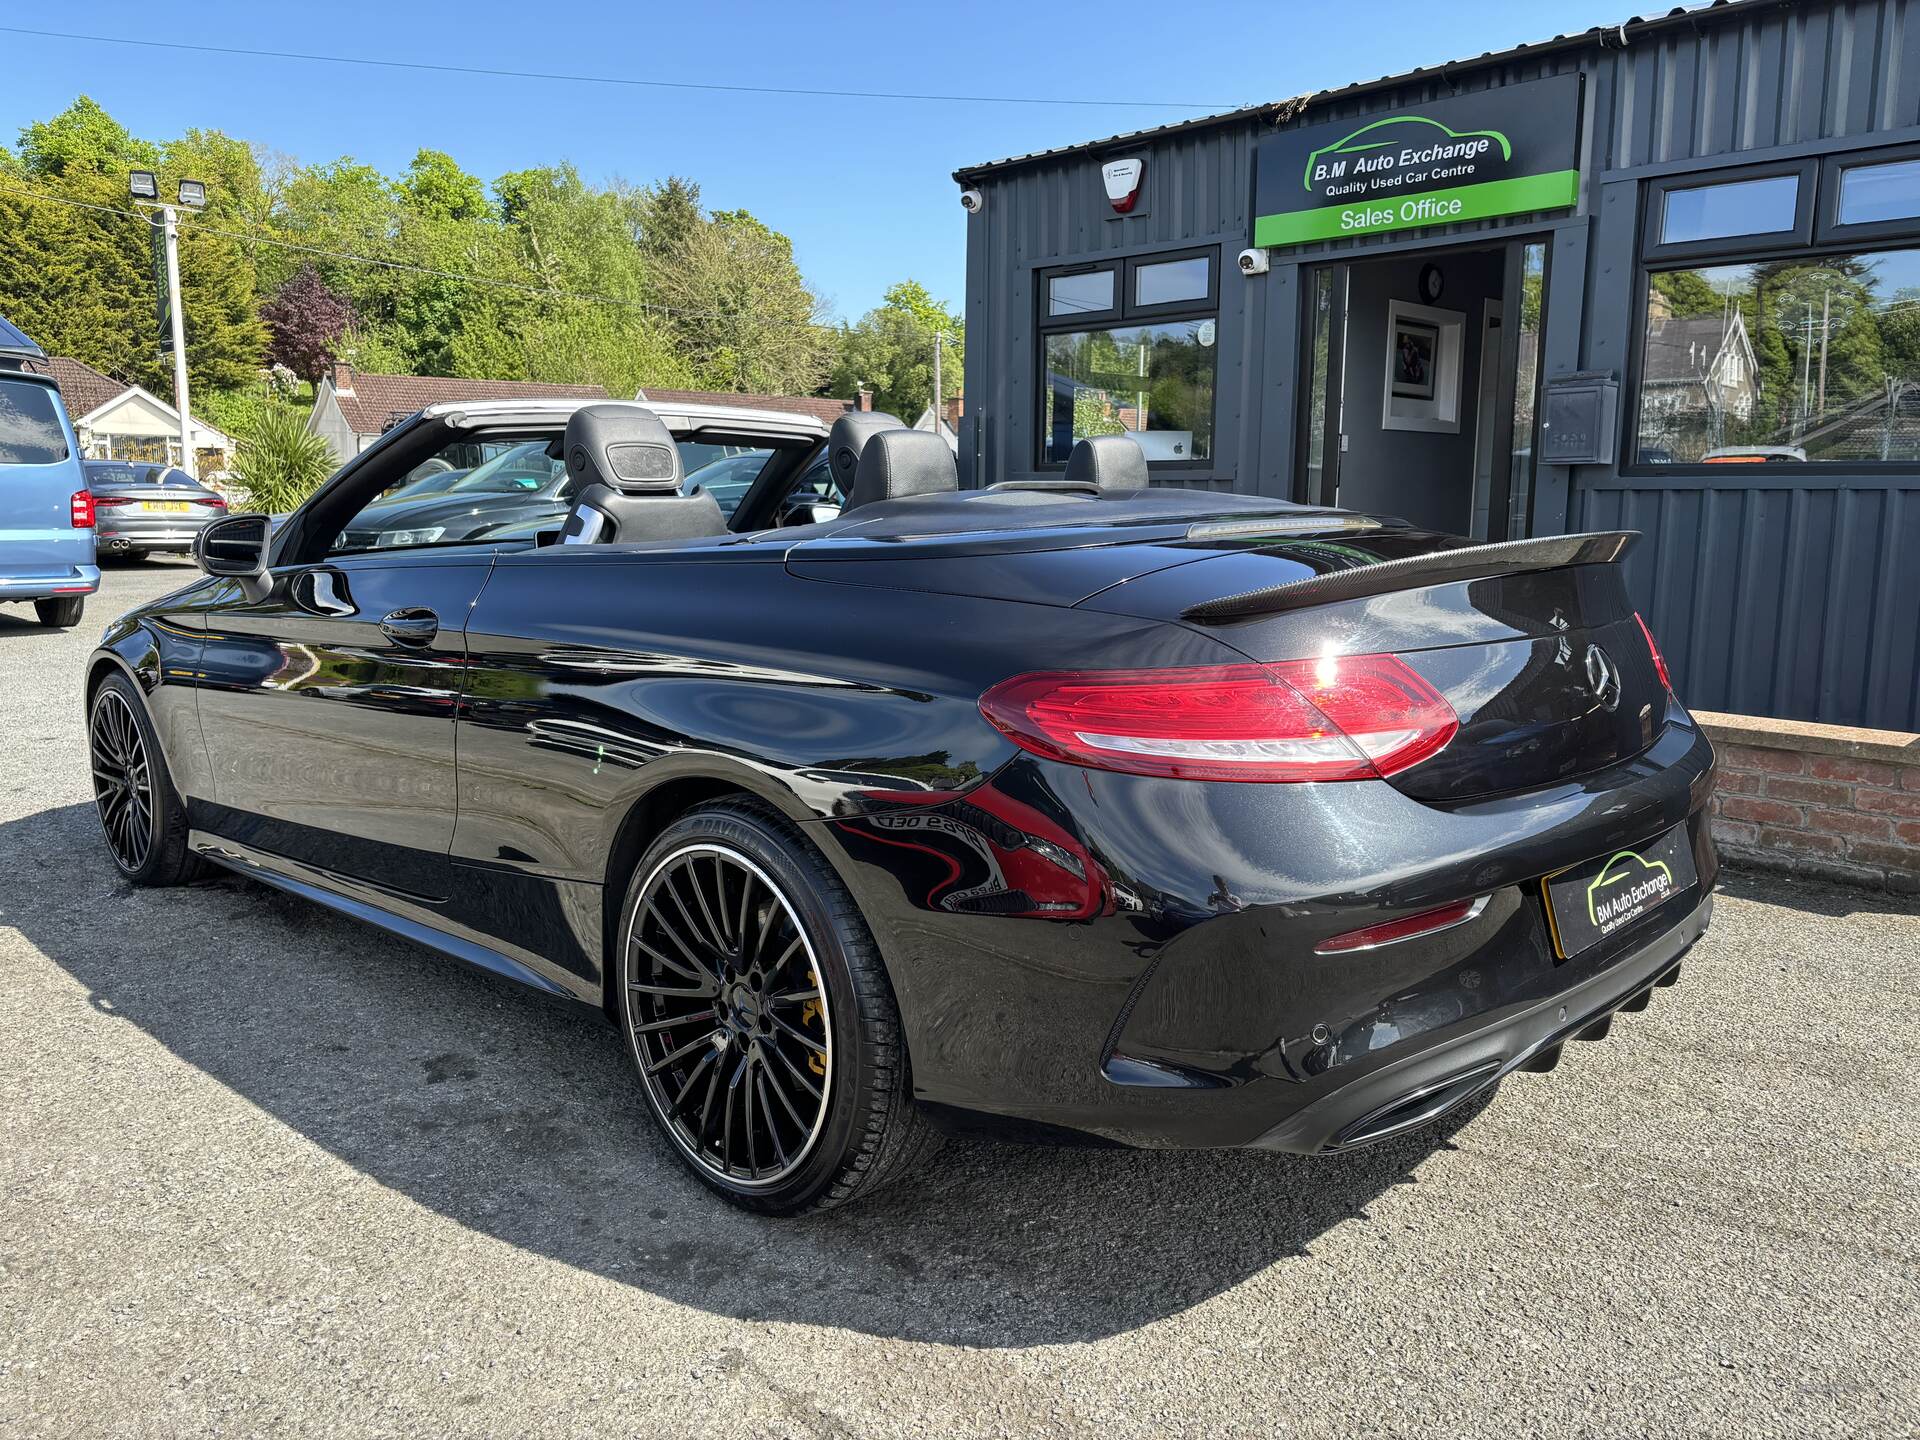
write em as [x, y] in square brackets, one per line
[1321, 420]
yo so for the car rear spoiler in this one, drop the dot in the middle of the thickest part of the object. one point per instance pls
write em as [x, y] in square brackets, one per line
[1469, 562]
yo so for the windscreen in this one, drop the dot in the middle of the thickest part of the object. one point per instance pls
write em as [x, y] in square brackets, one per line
[30, 428]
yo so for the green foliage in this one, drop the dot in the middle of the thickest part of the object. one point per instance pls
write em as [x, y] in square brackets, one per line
[278, 459]
[891, 352]
[540, 276]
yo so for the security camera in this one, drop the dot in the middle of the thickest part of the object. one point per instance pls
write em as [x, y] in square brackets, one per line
[1253, 262]
[972, 201]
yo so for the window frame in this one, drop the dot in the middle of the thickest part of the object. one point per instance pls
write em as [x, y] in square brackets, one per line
[1862, 234]
[1655, 253]
[1123, 315]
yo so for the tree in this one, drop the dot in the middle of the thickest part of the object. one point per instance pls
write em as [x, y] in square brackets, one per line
[746, 318]
[437, 188]
[890, 351]
[279, 460]
[307, 320]
[83, 139]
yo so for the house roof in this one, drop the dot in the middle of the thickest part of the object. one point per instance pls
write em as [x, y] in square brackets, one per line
[1617, 35]
[83, 389]
[373, 400]
[1685, 347]
[819, 406]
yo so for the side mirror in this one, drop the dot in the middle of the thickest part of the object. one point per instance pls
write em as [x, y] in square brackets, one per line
[236, 548]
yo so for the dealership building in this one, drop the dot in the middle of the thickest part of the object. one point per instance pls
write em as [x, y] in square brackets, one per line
[1662, 276]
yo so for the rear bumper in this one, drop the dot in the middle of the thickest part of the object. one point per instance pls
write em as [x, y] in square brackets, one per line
[121, 534]
[42, 585]
[1408, 1092]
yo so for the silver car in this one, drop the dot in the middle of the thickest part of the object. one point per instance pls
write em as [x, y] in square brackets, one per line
[141, 508]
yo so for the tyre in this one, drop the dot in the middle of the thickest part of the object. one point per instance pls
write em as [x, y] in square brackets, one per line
[141, 814]
[62, 612]
[760, 1018]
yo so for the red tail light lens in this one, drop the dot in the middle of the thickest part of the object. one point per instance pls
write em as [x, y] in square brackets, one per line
[107, 502]
[80, 508]
[212, 502]
[1354, 717]
[1659, 660]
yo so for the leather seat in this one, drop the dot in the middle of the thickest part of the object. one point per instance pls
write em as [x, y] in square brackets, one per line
[896, 464]
[628, 472]
[849, 437]
[1108, 462]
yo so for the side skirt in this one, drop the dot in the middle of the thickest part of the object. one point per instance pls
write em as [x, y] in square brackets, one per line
[330, 890]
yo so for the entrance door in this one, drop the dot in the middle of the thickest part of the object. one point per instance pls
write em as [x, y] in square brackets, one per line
[1421, 372]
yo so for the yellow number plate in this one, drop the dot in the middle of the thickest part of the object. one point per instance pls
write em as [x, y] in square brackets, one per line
[167, 507]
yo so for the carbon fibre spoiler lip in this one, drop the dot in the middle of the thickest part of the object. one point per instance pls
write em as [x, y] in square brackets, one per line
[1470, 562]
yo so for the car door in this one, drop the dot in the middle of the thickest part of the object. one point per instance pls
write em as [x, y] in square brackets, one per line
[328, 707]
[328, 702]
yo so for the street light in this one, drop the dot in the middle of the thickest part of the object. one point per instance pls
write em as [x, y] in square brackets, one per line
[144, 186]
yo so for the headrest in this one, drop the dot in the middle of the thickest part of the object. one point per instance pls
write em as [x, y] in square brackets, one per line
[1108, 462]
[849, 437]
[624, 447]
[897, 463]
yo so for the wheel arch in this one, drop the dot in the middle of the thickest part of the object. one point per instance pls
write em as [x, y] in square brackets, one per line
[686, 784]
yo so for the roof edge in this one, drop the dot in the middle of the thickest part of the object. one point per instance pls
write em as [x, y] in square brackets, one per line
[1615, 36]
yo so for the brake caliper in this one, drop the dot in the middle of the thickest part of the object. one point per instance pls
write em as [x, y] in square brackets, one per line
[809, 1012]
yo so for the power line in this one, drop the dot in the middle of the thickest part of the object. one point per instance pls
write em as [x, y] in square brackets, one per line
[255, 238]
[629, 81]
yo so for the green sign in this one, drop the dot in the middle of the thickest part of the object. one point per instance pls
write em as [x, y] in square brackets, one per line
[1511, 150]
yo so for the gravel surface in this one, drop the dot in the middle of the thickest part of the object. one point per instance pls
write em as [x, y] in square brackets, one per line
[267, 1171]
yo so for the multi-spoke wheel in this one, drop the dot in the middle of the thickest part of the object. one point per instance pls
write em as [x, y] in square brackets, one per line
[759, 1016]
[144, 821]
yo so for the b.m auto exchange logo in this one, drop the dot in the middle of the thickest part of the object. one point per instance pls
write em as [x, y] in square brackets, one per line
[1629, 889]
[1352, 166]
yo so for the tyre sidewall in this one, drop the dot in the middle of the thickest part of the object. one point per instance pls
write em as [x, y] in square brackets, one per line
[163, 801]
[799, 876]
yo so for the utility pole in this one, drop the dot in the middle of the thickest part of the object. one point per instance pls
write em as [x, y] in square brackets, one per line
[938, 417]
[1826, 301]
[1806, 374]
[145, 188]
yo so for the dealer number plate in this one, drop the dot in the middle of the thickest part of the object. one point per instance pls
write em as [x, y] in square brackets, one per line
[167, 507]
[1589, 902]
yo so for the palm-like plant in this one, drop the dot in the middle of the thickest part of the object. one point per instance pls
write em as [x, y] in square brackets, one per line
[280, 461]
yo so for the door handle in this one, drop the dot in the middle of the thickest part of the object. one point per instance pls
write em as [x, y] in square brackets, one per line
[412, 626]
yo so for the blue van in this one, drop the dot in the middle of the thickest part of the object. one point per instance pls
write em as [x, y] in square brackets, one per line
[46, 510]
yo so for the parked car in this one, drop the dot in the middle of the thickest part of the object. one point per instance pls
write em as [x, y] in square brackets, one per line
[46, 510]
[141, 509]
[1069, 809]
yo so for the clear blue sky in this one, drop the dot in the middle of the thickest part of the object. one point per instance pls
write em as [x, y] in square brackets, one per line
[862, 186]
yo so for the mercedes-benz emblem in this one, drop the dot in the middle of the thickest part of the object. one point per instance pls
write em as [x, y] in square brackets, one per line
[1603, 677]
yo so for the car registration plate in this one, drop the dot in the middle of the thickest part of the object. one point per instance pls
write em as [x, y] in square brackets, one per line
[1590, 901]
[166, 507]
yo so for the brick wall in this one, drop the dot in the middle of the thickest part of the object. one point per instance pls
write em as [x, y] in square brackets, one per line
[1826, 801]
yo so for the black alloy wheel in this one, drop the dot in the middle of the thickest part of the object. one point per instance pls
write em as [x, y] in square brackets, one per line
[759, 1016]
[730, 1025]
[142, 816]
[122, 779]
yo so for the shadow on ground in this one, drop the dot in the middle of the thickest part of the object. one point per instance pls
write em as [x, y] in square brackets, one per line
[516, 1116]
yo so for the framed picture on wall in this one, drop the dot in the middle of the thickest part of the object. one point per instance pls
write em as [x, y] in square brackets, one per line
[1422, 390]
[1416, 350]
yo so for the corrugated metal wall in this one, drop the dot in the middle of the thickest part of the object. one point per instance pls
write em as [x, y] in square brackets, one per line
[1796, 596]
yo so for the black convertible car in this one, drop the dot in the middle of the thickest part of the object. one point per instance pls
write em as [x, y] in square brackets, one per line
[1067, 809]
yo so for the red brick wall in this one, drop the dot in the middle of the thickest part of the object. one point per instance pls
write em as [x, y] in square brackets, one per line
[1820, 800]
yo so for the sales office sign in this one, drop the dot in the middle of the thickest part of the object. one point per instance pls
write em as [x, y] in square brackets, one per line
[1510, 150]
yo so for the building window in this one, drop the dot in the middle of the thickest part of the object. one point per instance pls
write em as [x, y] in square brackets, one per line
[1719, 212]
[1810, 359]
[1088, 293]
[1873, 194]
[1149, 373]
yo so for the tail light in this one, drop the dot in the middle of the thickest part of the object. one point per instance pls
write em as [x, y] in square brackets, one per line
[107, 502]
[1659, 661]
[80, 508]
[212, 502]
[1356, 717]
